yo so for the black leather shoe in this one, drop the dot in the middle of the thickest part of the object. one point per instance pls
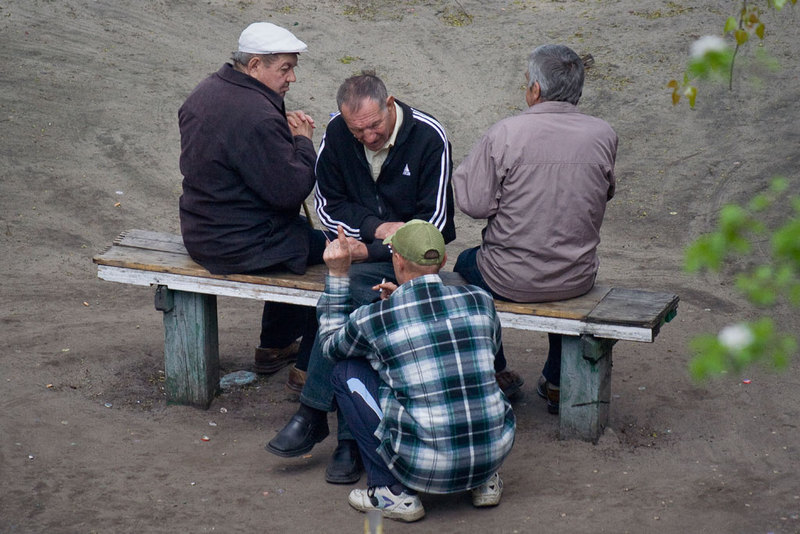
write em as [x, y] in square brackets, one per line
[345, 465]
[298, 437]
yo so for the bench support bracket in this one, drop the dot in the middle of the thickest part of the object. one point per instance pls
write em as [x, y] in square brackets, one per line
[585, 387]
[191, 346]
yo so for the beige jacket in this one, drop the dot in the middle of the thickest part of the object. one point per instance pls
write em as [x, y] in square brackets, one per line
[541, 179]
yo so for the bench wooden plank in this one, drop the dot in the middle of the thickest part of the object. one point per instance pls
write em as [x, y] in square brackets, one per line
[182, 264]
[634, 307]
[160, 252]
[147, 239]
[153, 258]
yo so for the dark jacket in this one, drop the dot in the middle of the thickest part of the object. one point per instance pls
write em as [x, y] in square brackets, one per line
[244, 177]
[414, 182]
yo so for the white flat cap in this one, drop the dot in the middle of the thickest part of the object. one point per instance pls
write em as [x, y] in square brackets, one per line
[267, 38]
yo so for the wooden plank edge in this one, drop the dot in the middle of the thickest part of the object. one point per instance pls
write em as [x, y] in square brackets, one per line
[259, 280]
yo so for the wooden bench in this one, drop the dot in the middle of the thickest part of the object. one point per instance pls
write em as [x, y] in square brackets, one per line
[186, 294]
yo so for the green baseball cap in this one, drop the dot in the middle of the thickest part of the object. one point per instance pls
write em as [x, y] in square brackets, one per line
[419, 242]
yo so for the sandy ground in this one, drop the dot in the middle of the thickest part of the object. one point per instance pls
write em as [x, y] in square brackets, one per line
[89, 92]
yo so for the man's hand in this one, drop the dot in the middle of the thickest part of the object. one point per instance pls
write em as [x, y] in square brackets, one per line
[300, 123]
[386, 289]
[386, 229]
[358, 250]
[337, 255]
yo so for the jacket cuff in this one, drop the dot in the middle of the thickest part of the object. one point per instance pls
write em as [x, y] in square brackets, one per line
[368, 227]
[377, 251]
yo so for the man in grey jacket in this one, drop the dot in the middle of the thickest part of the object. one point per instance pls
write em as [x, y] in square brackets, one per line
[541, 179]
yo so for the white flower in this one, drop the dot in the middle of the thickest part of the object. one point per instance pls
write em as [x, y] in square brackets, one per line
[735, 336]
[706, 44]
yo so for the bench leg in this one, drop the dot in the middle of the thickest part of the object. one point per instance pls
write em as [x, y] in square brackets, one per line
[191, 346]
[585, 387]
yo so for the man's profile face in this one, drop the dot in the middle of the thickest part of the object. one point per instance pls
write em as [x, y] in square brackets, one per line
[278, 74]
[371, 125]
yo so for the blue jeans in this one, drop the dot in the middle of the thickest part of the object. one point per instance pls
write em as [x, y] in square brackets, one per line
[318, 390]
[282, 323]
[467, 266]
[355, 384]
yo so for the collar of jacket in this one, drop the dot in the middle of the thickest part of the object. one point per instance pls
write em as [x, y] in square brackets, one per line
[552, 107]
[231, 75]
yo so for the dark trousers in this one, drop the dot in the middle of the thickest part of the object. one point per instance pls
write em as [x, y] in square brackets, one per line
[467, 266]
[282, 323]
[355, 385]
[318, 390]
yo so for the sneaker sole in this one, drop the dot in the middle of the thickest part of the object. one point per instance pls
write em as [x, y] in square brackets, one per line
[407, 517]
[486, 500]
[399, 516]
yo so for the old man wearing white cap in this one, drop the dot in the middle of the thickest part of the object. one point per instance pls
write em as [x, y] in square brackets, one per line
[247, 167]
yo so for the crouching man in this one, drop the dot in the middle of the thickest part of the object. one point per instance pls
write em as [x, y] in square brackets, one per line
[415, 380]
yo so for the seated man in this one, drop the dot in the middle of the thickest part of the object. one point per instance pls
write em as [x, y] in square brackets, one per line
[541, 179]
[415, 378]
[247, 167]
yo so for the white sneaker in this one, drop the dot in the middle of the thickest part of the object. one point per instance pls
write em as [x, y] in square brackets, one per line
[488, 493]
[403, 507]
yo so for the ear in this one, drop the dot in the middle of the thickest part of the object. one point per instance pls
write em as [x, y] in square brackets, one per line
[444, 260]
[253, 63]
[389, 102]
[533, 93]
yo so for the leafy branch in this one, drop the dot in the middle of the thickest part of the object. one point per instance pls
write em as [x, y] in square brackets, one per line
[712, 57]
[764, 281]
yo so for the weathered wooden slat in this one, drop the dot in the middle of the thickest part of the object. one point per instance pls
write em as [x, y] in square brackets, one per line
[209, 286]
[577, 308]
[175, 263]
[634, 307]
[146, 239]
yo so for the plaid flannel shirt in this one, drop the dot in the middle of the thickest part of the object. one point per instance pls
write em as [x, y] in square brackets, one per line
[446, 425]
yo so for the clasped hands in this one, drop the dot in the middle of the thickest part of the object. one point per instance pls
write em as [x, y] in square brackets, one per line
[300, 123]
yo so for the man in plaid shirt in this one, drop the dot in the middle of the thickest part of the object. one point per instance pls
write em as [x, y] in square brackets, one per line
[415, 378]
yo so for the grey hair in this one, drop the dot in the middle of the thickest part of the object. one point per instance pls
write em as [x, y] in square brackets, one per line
[355, 89]
[559, 71]
[243, 58]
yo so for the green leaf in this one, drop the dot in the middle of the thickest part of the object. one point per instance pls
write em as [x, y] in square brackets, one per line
[760, 30]
[794, 294]
[779, 184]
[730, 25]
[786, 242]
[741, 37]
[707, 252]
[760, 202]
